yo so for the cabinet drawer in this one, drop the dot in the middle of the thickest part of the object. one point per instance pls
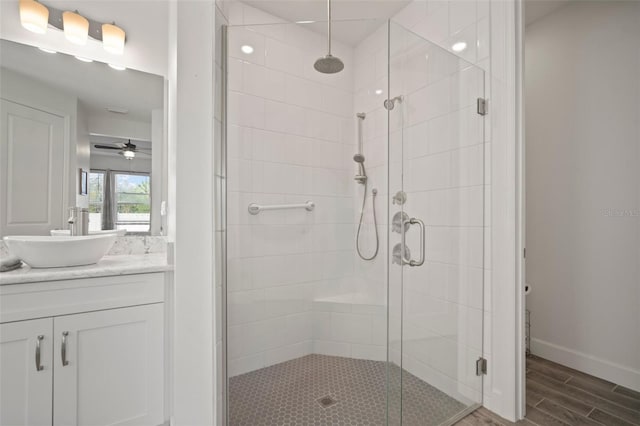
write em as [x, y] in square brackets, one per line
[54, 298]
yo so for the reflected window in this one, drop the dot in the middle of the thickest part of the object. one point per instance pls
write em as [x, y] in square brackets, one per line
[120, 200]
[133, 202]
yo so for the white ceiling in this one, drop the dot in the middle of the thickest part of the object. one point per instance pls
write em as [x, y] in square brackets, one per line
[95, 84]
[316, 10]
[537, 9]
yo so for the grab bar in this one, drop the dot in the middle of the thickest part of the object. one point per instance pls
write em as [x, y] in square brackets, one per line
[256, 208]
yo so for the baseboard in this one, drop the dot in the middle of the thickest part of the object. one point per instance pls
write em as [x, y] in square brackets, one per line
[598, 367]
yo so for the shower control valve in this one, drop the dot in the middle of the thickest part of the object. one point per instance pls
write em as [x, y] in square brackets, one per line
[400, 220]
[400, 198]
[397, 254]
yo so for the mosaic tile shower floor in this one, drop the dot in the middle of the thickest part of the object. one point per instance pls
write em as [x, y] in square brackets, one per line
[294, 392]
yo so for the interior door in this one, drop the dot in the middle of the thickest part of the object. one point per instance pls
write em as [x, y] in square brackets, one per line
[31, 198]
[437, 173]
[109, 367]
[26, 372]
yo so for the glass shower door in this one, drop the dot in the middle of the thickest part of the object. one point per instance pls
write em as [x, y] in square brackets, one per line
[436, 171]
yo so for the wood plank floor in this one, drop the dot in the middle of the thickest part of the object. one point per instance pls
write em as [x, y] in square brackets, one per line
[558, 395]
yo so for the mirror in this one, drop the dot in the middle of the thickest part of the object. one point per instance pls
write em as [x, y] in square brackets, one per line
[79, 134]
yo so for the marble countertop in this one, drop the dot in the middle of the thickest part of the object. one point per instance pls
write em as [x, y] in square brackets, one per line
[107, 266]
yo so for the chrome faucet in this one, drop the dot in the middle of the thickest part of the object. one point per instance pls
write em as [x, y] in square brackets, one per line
[78, 221]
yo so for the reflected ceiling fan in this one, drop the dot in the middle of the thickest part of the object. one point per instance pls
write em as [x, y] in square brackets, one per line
[127, 150]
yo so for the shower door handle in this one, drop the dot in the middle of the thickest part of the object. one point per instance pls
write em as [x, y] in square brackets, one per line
[420, 261]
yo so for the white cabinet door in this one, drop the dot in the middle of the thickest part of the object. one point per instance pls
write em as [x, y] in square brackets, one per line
[32, 170]
[109, 367]
[26, 372]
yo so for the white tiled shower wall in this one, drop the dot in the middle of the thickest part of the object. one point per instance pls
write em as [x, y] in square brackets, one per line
[290, 140]
[443, 178]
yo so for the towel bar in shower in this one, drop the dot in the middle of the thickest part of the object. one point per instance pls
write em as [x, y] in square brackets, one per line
[256, 208]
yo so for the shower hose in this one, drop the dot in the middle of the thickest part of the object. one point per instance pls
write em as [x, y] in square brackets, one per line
[374, 192]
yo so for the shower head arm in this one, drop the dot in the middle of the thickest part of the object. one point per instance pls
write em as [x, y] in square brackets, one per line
[329, 27]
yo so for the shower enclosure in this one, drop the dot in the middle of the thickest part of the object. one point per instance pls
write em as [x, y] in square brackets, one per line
[315, 333]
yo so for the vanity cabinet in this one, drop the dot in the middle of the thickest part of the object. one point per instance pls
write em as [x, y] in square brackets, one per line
[26, 372]
[103, 367]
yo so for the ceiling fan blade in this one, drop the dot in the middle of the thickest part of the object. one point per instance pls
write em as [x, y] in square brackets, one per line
[106, 147]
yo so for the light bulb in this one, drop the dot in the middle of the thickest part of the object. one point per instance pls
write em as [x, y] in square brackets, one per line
[76, 27]
[34, 16]
[129, 155]
[113, 38]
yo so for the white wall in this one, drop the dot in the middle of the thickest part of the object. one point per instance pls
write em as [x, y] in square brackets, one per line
[191, 158]
[583, 188]
[289, 140]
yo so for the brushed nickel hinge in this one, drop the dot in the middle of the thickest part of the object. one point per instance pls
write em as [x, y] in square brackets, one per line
[481, 367]
[483, 106]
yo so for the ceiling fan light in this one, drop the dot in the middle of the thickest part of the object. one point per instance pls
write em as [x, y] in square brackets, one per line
[129, 155]
[76, 27]
[113, 38]
[34, 16]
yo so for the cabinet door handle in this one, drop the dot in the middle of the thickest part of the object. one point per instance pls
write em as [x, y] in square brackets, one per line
[63, 348]
[39, 366]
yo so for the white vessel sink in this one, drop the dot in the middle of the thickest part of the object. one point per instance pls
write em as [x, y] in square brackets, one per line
[59, 251]
[63, 232]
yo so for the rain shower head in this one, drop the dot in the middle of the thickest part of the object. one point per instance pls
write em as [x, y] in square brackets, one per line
[329, 64]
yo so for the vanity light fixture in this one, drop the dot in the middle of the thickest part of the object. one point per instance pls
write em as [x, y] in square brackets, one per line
[113, 38]
[76, 27]
[246, 49]
[459, 46]
[34, 16]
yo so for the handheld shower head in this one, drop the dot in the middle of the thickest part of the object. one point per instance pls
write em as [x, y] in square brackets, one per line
[358, 158]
